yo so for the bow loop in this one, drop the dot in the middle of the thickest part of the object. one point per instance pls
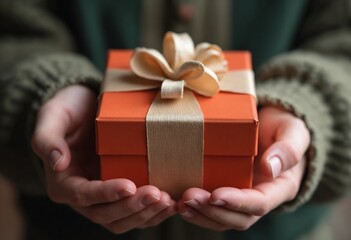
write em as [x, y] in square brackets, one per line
[189, 70]
[212, 57]
[206, 85]
[181, 62]
[178, 48]
[150, 64]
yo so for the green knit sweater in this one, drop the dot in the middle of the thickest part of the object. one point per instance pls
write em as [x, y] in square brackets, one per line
[312, 80]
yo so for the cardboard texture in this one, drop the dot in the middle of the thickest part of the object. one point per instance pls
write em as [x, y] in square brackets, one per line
[230, 131]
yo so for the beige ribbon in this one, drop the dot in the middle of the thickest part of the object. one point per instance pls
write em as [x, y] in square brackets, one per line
[181, 66]
[175, 127]
[121, 80]
[175, 144]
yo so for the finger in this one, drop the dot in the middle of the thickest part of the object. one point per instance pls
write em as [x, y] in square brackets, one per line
[264, 197]
[81, 192]
[291, 142]
[227, 218]
[140, 218]
[195, 217]
[162, 216]
[248, 201]
[190, 213]
[220, 219]
[48, 140]
[111, 212]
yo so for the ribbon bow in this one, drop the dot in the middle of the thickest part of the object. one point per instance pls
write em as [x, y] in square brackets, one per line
[181, 65]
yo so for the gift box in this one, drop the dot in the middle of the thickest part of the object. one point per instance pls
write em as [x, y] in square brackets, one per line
[229, 140]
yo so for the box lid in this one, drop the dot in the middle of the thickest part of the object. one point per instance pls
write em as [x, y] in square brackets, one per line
[230, 120]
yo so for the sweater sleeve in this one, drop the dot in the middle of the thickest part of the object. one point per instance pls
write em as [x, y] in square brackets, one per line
[314, 83]
[39, 61]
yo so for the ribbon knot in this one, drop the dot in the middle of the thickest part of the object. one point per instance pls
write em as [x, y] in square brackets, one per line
[181, 65]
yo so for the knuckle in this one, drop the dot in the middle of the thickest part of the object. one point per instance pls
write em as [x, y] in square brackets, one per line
[142, 217]
[213, 215]
[238, 205]
[294, 157]
[80, 199]
[130, 208]
[263, 209]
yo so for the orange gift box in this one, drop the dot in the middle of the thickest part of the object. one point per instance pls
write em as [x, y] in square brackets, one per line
[230, 131]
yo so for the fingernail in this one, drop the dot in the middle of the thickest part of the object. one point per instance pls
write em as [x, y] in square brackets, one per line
[187, 214]
[161, 206]
[219, 203]
[147, 200]
[193, 203]
[276, 166]
[54, 158]
[124, 193]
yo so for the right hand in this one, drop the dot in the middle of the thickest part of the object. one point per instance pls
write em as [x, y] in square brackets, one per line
[283, 137]
[64, 140]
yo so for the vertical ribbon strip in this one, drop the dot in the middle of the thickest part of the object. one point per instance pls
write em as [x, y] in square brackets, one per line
[175, 144]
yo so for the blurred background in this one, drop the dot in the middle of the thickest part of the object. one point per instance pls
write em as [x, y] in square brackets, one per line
[335, 227]
[11, 222]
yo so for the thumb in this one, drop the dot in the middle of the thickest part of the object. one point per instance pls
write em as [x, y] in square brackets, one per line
[292, 139]
[48, 140]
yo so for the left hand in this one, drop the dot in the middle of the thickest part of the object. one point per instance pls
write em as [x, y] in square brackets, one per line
[283, 141]
[64, 140]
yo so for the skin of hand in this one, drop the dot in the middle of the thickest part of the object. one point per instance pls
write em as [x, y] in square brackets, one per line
[64, 140]
[279, 169]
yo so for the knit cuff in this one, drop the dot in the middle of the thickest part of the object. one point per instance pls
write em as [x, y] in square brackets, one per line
[300, 83]
[56, 71]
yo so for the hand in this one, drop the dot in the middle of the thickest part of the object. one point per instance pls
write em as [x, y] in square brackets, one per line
[64, 140]
[283, 141]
